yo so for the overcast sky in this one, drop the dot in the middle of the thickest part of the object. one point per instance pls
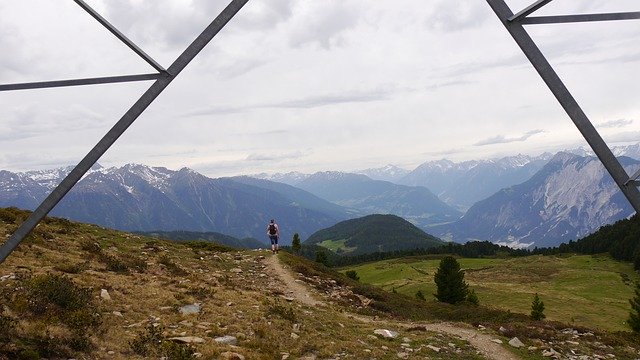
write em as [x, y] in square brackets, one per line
[310, 85]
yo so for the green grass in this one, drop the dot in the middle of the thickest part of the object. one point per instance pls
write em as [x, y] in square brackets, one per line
[584, 290]
[336, 245]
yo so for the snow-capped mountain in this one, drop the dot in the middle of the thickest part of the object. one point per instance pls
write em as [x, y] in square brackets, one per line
[568, 198]
[632, 151]
[389, 173]
[291, 178]
[462, 184]
[142, 198]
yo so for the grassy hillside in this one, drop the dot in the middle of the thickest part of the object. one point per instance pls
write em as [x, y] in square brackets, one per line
[373, 233]
[81, 291]
[583, 290]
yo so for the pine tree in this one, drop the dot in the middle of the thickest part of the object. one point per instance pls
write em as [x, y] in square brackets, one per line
[322, 258]
[634, 315]
[537, 308]
[295, 243]
[449, 279]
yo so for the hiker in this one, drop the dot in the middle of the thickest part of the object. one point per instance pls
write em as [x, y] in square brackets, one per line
[274, 233]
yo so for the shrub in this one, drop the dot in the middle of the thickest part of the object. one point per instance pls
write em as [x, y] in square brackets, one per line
[537, 308]
[472, 298]
[352, 274]
[449, 279]
[171, 266]
[322, 258]
[282, 311]
[7, 329]
[147, 343]
[420, 295]
[55, 293]
[634, 315]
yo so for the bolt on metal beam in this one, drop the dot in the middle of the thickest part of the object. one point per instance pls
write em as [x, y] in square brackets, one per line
[120, 127]
[567, 101]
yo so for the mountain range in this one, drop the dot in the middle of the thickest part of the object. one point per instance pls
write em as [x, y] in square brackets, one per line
[570, 197]
[142, 198]
[540, 201]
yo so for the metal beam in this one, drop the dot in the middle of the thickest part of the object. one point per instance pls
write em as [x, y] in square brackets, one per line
[77, 82]
[529, 10]
[120, 35]
[558, 19]
[566, 100]
[120, 127]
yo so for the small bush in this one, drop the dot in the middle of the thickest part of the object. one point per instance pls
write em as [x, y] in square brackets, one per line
[171, 266]
[352, 274]
[420, 295]
[72, 268]
[114, 264]
[285, 312]
[472, 297]
[7, 329]
[147, 343]
[91, 247]
[537, 308]
[51, 293]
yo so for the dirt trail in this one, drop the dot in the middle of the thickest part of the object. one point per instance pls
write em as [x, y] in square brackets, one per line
[482, 342]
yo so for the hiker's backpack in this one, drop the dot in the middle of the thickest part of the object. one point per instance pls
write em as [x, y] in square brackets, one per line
[272, 229]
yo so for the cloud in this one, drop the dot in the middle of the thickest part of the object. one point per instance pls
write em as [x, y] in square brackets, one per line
[502, 139]
[303, 103]
[627, 136]
[277, 157]
[323, 22]
[615, 123]
[450, 16]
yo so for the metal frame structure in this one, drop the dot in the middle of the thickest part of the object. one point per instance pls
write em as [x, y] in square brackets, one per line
[514, 25]
[162, 79]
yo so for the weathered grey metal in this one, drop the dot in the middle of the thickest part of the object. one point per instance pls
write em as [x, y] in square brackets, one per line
[120, 35]
[77, 82]
[120, 127]
[634, 179]
[529, 10]
[567, 101]
[558, 19]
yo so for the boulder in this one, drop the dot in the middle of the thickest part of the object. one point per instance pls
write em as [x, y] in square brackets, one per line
[227, 340]
[190, 309]
[187, 339]
[516, 343]
[388, 334]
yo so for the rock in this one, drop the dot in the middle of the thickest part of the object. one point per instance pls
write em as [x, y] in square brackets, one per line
[231, 356]
[532, 348]
[434, 348]
[388, 334]
[187, 339]
[227, 340]
[190, 309]
[550, 353]
[502, 329]
[104, 294]
[402, 355]
[294, 336]
[236, 270]
[516, 343]
[497, 341]
[117, 313]
[296, 327]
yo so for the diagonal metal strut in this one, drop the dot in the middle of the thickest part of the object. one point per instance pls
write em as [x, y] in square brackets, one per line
[120, 127]
[567, 101]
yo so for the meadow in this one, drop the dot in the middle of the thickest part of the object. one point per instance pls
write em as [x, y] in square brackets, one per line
[580, 290]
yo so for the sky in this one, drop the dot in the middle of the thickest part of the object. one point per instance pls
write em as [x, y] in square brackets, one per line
[310, 85]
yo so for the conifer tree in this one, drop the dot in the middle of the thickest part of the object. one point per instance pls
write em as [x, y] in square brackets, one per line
[322, 258]
[537, 308]
[449, 279]
[634, 315]
[295, 243]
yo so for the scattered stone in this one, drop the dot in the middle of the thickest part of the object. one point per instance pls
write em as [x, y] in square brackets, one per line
[227, 340]
[532, 348]
[294, 336]
[516, 343]
[502, 329]
[402, 355]
[388, 334]
[550, 353]
[117, 313]
[190, 309]
[187, 339]
[104, 294]
[406, 339]
[231, 356]
[230, 303]
[434, 348]
[236, 270]
[384, 347]
[285, 356]
[481, 327]
[288, 298]
[497, 341]
[111, 352]
[197, 355]
[296, 327]
[11, 276]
